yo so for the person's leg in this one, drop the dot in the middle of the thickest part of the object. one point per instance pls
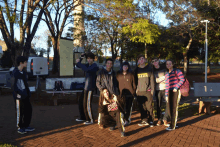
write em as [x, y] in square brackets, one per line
[158, 100]
[141, 103]
[128, 110]
[119, 119]
[149, 106]
[173, 108]
[20, 115]
[81, 110]
[87, 106]
[27, 113]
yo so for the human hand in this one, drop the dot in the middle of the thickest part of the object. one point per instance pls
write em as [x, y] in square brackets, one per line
[174, 90]
[115, 98]
[105, 103]
[18, 96]
[77, 60]
[166, 98]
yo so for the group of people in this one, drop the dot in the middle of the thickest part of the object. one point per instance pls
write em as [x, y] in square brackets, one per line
[118, 91]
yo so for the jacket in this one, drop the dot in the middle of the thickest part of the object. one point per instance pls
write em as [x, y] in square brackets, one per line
[107, 80]
[20, 84]
[90, 79]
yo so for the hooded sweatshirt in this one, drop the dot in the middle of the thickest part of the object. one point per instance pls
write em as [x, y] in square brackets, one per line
[20, 84]
[126, 82]
[90, 79]
[107, 80]
[144, 79]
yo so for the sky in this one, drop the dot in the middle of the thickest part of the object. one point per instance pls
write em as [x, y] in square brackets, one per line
[41, 34]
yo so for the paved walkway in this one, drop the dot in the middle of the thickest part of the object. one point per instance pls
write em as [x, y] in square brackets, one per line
[56, 126]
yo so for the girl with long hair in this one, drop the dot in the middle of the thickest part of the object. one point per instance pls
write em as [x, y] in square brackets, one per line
[110, 113]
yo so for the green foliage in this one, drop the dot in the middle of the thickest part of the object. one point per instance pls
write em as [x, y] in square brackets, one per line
[142, 31]
[6, 145]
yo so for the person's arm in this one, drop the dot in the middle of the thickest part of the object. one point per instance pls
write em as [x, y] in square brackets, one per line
[133, 84]
[99, 83]
[152, 83]
[79, 61]
[180, 77]
[167, 84]
[92, 68]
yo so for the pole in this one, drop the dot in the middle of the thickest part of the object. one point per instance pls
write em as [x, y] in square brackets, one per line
[206, 52]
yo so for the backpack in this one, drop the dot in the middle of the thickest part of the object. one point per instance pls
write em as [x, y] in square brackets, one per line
[58, 86]
[184, 89]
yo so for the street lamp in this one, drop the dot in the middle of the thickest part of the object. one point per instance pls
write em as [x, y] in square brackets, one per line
[206, 48]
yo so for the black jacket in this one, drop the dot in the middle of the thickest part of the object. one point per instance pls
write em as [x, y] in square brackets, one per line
[20, 84]
[107, 80]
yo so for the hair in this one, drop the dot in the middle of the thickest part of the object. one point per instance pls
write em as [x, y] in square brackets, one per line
[174, 66]
[125, 63]
[21, 59]
[155, 58]
[90, 55]
[102, 97]
[109, 59]
[139, 56]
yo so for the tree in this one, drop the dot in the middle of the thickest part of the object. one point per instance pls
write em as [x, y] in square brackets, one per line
[27, 17]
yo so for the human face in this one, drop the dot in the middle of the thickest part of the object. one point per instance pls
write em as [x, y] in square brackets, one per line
[106, 94]
[125, 68]
[23, 64]
[169, 65]
[90, 60]
[141, 61]
[155, 62]
[108, 65]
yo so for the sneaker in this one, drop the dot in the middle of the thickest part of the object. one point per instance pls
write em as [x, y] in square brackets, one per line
[88, 123]
[170, 129]
[80, 120]
[159, 123]
[29, 129]
[101, 126]
[126, 123]
[151, 124]
[143, 123]
[21, 131]
[165, 123]
[122, 134]
[111, 128]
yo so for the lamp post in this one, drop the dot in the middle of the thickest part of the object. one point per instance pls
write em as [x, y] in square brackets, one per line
[206, 48]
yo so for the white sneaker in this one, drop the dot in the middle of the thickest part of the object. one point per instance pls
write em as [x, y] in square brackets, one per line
[143, 123]
[88, 123]
[169, 129]
[80, 120]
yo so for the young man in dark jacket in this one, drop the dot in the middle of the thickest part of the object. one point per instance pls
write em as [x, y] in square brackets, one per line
[106, 79]
[159, 74]
[145, 90]
[85, 100]
[127, 88]
[21, 94]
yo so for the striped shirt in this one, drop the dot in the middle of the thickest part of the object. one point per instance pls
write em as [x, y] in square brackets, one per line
[173, 80]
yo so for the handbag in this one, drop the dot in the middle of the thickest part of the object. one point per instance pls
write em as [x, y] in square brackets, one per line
[113, 106]
[185, 87]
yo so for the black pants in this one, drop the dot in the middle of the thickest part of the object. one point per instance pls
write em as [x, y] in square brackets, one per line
[111, 119]
[173, 100]
[160, 96]
[145, 103]
[128, 107]
[85, 105]
[24, 112]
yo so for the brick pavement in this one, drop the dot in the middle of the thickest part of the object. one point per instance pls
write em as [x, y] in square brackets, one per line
[56, 126]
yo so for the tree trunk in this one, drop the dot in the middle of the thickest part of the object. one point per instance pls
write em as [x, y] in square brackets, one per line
[56, 55]
[185, 57]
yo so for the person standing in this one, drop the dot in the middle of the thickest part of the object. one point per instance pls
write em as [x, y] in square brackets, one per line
[145, 90]
[106, 79]
[159, 72]
[85, 107]
[174, 78]
[127, 88]
[21, 94]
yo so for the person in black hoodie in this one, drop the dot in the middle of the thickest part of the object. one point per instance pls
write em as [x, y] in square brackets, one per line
[127, 88]
[145, 90]
[21, 94]
[85, 100]
[110, 109]
[106, 79]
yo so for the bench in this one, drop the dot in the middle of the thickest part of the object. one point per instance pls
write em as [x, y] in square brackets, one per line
[66, 83]
[206, 94]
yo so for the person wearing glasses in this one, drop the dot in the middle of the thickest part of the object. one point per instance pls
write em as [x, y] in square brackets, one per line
[159, 72]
